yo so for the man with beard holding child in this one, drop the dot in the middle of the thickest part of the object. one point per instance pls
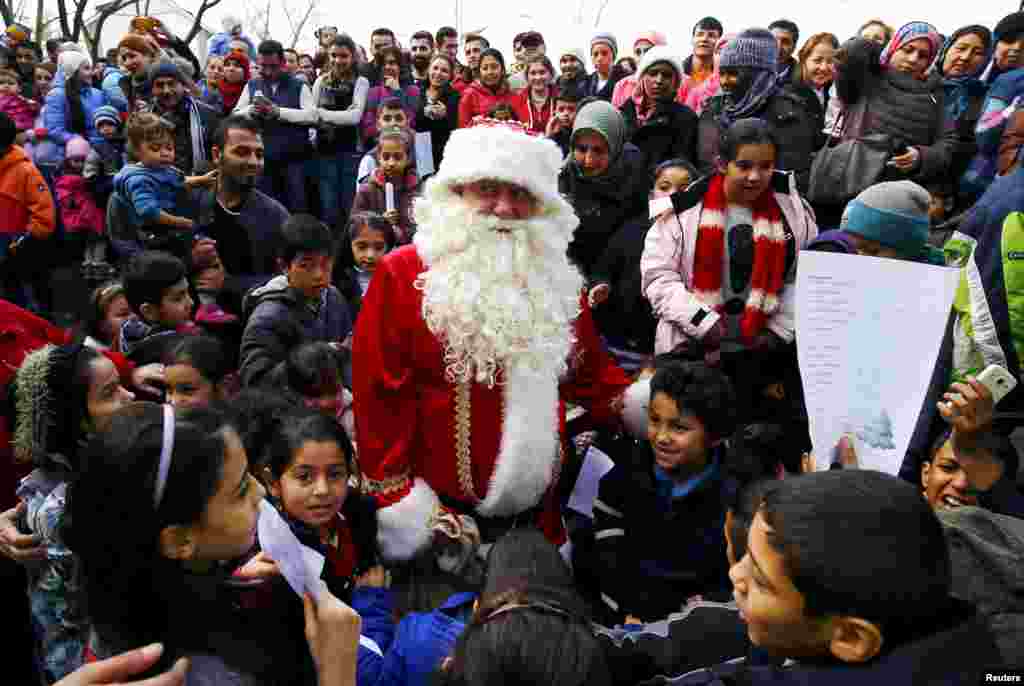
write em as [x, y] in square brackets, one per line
[469, 344]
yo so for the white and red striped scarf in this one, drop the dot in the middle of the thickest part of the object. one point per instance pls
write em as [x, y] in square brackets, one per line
[769, 257]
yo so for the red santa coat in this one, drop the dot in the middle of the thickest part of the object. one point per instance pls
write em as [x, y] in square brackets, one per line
[497, 450]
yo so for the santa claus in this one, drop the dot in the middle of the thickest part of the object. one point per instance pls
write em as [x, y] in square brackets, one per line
[470, 342]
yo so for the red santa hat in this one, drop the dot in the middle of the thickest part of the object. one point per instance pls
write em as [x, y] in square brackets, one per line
[504, 151]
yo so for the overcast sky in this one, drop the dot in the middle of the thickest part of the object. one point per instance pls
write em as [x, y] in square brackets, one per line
[625, 18]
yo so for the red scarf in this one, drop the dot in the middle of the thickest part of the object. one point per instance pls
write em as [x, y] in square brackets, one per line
[769, 257]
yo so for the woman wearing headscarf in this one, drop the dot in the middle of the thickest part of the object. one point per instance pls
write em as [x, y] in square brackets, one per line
[905, 103]
[655, 123]
[960, 65]
[644, 42]
[603, 179]
[750, 89]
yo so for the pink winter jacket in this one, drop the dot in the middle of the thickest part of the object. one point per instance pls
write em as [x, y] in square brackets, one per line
[666, 272]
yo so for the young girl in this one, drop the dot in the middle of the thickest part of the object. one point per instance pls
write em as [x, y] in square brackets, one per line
[308, 468]
[107, 312]
[196, 372]
[622, 313]
[367, 238]
[156, 556]
[535, 104]
[234, 76]
[82, 218]
[394, 155]
[728, 290]
[60, 396]
[490, 89]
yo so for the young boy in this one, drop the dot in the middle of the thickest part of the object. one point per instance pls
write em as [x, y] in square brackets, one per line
[847, 577]
[659, 514]
[108, 156]
[156, 288]
[390, 114]
[560, 125]
[298, 306]
[19, 108]
[149, 188]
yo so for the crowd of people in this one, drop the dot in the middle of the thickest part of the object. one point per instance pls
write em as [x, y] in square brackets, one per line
[405, 298]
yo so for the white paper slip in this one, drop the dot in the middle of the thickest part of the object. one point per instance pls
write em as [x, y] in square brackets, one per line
[595, 465]
[659, 205]
[868, 332]
[300, 565]
[389, 195]
[424, 154]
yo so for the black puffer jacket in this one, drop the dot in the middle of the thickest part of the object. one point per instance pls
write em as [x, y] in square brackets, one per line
[908, 109]
[603, 204]
[788, 112]
[670, 132]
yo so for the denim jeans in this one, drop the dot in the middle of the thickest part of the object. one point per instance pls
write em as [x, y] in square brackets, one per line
[337, 180]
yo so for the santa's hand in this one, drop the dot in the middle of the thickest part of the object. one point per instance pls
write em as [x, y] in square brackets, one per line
[598, 294]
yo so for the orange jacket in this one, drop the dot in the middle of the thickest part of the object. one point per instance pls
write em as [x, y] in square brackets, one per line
[25, 200]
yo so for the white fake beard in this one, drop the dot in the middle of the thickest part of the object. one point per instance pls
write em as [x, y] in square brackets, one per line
[497, 300]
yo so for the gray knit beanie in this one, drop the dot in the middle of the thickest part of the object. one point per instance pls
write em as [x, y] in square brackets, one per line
[893, 213]
[754, 48]
[602, 118]
[608, 39]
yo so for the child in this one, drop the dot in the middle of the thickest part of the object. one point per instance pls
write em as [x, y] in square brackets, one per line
[108, 156]
[502, 112]
[187, 505]
[317, 374]
[158, 293]
[394, 156]
[847, 577]
[622, 313]
[367, 238]
[307, 466]
[196, 372]
[300, 305]
[675, 484]
[891, 219]
[390, 114]
[107, 312]
[559, 128]
[82, 219]
[149, 187]
[19, 108]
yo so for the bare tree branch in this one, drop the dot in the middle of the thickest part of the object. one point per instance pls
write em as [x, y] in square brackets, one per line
[297, 27]
[600, 11]
[197, 25]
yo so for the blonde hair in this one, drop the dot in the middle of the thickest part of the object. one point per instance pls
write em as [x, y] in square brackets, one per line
[808, 47]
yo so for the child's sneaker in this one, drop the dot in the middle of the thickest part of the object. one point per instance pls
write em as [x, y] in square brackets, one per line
[213, 315]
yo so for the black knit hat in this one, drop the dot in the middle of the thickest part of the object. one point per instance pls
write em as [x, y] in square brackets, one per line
[1009, 27]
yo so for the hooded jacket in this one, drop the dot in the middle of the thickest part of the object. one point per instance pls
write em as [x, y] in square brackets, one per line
[25, 200]
[667, 265]
[57, 118]
[987, 555]
[278, 318]
[477, 99]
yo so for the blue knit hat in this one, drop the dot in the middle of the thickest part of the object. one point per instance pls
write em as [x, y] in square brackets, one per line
[106, 113]
[893, 213]
[165, 68]
[754, 48]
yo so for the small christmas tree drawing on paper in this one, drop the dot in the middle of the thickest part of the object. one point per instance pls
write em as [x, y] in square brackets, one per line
[878, 432]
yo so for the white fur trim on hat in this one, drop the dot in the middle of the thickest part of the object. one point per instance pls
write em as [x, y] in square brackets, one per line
[502, 153]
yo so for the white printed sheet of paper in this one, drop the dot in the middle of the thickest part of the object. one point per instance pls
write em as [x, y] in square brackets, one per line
[424, 143]
[300, 565]
[868, 332]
